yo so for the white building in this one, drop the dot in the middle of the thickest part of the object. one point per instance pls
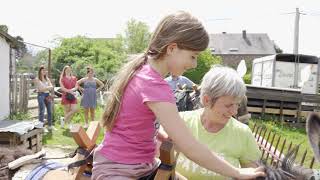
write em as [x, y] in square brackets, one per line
[7, 59]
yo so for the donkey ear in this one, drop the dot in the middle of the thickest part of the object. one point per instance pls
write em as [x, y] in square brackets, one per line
[313, 132]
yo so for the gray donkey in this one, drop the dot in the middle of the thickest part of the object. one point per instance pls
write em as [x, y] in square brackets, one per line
[288, 170]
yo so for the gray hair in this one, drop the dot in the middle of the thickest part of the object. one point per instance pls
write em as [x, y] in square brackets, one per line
[222, 81]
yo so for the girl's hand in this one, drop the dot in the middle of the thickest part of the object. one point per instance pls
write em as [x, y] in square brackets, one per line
[251, 173]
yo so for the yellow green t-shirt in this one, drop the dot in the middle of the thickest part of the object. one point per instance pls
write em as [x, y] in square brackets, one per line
[234, 143]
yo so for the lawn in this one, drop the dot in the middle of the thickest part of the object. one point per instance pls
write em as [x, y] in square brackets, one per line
[61, 137]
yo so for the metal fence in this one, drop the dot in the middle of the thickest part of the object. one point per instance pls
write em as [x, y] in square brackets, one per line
[274, 147]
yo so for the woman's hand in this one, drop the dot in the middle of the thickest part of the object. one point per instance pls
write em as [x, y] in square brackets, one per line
[250, 173]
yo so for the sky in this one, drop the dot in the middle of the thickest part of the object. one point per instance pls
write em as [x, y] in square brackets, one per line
[42, 21]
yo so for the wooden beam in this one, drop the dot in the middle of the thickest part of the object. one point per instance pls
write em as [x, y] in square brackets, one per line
[81, 137]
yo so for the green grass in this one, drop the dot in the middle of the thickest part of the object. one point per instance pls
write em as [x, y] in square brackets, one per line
[291, 134]
[62, 137]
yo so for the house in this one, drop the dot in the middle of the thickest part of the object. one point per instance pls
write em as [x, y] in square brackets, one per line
[232, 48]
[7, 58]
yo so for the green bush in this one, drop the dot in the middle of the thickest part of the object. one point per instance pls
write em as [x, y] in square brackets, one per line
[20, 116]
[78, 117]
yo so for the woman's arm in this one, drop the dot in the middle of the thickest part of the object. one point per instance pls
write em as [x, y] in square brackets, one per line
[169, 118]
[63, 88]
[50, 85]
[39, 89]
[100, 83]
[79, 84]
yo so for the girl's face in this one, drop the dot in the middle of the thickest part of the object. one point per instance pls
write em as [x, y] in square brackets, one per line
[180, 60]
[224, 108]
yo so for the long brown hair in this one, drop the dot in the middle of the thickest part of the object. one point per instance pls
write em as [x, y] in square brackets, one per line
[181, 28]
[39, 73]
[63, 73]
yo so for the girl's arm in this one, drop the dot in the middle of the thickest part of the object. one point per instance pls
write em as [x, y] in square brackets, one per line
[169, 118]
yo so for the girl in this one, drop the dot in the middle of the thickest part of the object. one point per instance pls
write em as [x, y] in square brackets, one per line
[44, 87]
[89, 98]
[68, 86]
[140, 95]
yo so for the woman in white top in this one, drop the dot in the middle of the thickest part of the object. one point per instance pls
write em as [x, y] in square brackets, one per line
[44, 86]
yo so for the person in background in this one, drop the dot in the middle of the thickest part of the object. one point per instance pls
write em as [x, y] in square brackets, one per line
[222, 90]
[177, 82]
[141, 100]
[68, 84]
[89, 94]
[43, 89]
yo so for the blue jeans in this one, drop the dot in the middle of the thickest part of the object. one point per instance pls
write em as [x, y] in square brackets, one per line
[42, 105]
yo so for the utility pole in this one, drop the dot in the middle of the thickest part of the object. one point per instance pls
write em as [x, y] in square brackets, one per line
[296, 33]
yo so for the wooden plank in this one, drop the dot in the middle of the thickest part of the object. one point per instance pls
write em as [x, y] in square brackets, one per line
[80, 136]
[15, 95]
[299, 112]
[20, 94]
[30, 134]
[162, 175]
[39, 141]
[263, 107]
[85, 140]
[93, 130]
[281, 111]
[288, 112]
[167, 156]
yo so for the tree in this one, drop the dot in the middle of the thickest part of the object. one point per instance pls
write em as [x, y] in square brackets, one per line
[4, 28]
[21, 48]
[205, 61]
[137, 36]
[104, 55]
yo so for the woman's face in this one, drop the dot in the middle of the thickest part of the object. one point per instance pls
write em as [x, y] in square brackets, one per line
[43, 72]
[90, 73]
[180, 60]
[224, 108]
[68, 71]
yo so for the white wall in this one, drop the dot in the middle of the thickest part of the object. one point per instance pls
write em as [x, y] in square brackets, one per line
[4, 79]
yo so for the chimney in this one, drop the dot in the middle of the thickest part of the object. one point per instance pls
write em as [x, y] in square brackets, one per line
[244, 34]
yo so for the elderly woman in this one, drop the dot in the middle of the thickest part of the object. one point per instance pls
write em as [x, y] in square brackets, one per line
[222, 89]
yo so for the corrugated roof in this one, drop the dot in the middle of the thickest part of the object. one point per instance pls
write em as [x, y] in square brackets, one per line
[238, 43]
